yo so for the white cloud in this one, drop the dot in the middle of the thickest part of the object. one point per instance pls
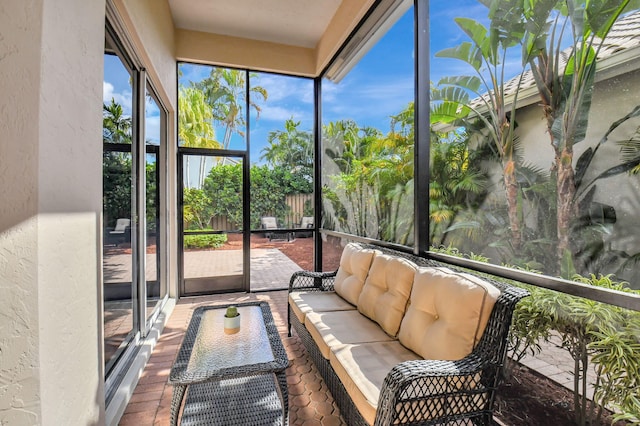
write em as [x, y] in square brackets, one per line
[277, 113]
[331, 91]
[369, 103]
[124, 98]
[280, 88]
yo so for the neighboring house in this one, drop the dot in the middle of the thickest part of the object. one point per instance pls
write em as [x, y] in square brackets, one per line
[616, 93]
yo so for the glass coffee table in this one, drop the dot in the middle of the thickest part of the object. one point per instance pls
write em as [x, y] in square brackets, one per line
[231, 379]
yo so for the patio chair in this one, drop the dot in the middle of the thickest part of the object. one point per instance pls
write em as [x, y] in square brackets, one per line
[275, 232]
[307, 223]
[121, 232]
[268, 223]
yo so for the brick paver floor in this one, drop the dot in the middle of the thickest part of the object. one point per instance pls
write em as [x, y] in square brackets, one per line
[310, 402]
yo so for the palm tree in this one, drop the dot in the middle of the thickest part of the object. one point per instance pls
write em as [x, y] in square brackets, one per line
[225, 92]
[486, 54]
[290, 148]
[195, 128]
[116, 127]
[456, 185]
[349, 148]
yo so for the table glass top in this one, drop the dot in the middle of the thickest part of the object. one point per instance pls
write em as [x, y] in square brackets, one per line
[213, 349]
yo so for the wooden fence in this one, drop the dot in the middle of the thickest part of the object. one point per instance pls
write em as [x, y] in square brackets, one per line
[289, 219]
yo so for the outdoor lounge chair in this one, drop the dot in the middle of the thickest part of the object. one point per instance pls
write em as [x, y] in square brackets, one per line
[270, 224]
[306, 223]
[121, 232]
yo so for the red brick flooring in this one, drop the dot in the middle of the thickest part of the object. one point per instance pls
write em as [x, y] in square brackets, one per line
[310, 402]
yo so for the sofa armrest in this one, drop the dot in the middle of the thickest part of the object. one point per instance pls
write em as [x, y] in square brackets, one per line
[308, 280]
[433, 391]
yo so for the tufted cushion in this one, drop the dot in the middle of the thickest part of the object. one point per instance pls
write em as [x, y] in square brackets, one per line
[386, 291]
[331, 329]
[354, 266]
[447, 313]
[316, 301]
[362, 368]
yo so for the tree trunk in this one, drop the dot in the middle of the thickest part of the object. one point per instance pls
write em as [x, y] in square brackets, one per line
[511, 188]
[566, 189]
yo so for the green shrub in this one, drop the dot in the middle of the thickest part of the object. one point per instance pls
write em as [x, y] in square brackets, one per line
[204, 241]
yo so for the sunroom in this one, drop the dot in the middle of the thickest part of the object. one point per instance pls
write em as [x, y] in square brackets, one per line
[244, 141]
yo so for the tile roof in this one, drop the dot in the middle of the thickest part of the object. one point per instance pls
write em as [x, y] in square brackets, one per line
[624, 35]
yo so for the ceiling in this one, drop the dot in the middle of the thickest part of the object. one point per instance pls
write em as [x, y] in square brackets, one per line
[291, 22]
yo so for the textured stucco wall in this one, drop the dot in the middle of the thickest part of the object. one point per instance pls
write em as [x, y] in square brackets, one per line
[50, 187]
[150, 28]
[19, 352]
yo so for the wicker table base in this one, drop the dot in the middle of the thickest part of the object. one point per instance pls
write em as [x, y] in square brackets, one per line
[236, 379]
[247, 401]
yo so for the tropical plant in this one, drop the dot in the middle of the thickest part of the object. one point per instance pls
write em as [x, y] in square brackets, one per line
[223, 187]
[197, 211]
[212, 241]
[151, 199]
[116, 166]
[630, 148]
[349, 194]
[370, 191]
[221, 195]
[565, 79]
[116, 127]
[594, 334]
[392, 173]
[116, 186]
[290, 148]
[195, 127]
[457, 188]
[226, 93]
[486, 54]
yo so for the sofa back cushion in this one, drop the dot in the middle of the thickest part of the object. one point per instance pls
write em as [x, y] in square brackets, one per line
[447, 313]
[353, 270]
[386, 291]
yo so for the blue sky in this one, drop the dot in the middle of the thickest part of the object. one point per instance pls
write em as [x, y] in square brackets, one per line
[117, 85]
[379, 86]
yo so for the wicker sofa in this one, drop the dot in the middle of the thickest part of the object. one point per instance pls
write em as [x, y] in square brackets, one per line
[400, 339]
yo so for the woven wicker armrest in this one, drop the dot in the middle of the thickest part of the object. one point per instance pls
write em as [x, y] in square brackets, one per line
[432, 391]
[307, 280]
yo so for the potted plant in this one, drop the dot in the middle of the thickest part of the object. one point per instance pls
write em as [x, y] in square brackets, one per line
[231, 320]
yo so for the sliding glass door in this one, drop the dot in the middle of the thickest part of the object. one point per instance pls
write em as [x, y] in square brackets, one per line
[134, 175]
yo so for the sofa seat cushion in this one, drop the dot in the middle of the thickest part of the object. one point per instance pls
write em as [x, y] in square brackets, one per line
[352, 272]
[447, 313]
[303, 302]
[331, 329]
[386, 291]
[362, 369]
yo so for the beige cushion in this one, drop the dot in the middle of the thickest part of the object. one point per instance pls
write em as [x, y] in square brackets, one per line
[316, 301]
[386, 291]
[331, 329]
[354, 266]
[362, 369]
[447, 313]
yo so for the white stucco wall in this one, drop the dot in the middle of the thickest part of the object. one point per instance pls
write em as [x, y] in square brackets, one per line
[151, 30]
[51, 199]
